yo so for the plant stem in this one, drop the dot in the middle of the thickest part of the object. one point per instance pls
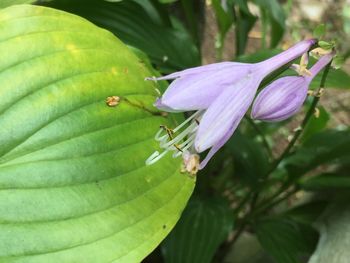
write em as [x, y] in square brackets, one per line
[270, 202]
[298, 132]
[262, 135]
[307, 117]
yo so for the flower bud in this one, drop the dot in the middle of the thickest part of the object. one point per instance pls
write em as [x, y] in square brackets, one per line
[281, 99]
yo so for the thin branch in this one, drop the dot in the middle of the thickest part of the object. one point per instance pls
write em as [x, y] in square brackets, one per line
[261, 134]
[269, 203]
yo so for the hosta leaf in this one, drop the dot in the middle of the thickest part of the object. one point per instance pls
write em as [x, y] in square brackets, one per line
[245, 152]
[322, 148]
[170, 49]
[287, 241]
[73, 184]
[203, 226]
[327, 181]
[6, 3]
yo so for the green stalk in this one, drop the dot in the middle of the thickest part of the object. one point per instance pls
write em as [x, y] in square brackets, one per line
[269, 203]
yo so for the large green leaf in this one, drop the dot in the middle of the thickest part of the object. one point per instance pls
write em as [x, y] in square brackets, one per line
[73, 180]
[203, 226]
[286, 240]
[6, 3]
[170, 49]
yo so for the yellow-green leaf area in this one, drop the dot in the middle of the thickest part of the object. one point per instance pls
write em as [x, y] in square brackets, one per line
[73, 182]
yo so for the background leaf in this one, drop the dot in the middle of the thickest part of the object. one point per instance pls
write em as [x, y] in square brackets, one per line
[335, 235]
[286, 240]
[73, 180]
[170, 49]
[202, 228]
[244, 152]
[245, 21]
[327, 181]
[224, 14]
[316, 124]
[276, 17]
[6, 3]
[322, 148]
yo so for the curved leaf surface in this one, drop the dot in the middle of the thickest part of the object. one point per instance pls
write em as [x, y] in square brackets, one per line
[170, 49]
[6, 3]
[73, 184]
[203, 226]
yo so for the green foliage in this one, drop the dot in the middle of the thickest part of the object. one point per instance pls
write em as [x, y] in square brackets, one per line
[322, 148]
[6, 3]
[244, 23]
[244, 151]
[276, 17]
[319, 31]
[225, 18]
[327, 181]
[316, 123]
[203, 226]
[338, 62]
[286, 240]
[326, 45]
[167, 1]
[130, 22]
[307, 213]
[69, 190]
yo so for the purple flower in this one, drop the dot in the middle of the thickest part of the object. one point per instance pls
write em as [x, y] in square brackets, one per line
[220, 93]
[285, 96]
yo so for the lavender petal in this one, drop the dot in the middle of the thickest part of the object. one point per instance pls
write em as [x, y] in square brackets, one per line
[198, 91]
[226, 112]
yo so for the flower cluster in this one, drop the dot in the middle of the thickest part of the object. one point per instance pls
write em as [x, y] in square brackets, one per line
[220, 94]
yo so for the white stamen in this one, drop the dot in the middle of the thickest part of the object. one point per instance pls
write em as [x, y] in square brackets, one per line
[157, 137]
[187, 120]
[155, 157]
[185, 145]
[170, 143]
[182, 135]
[153, 78]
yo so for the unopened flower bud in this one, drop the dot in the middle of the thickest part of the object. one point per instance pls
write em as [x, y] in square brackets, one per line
[281, 99]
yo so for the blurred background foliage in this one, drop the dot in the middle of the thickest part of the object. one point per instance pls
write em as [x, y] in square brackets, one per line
[262, 198]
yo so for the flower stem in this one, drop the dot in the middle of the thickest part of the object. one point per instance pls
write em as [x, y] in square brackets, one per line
[262, 135]
[306, 119]
[272, 201]
[297, 134]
